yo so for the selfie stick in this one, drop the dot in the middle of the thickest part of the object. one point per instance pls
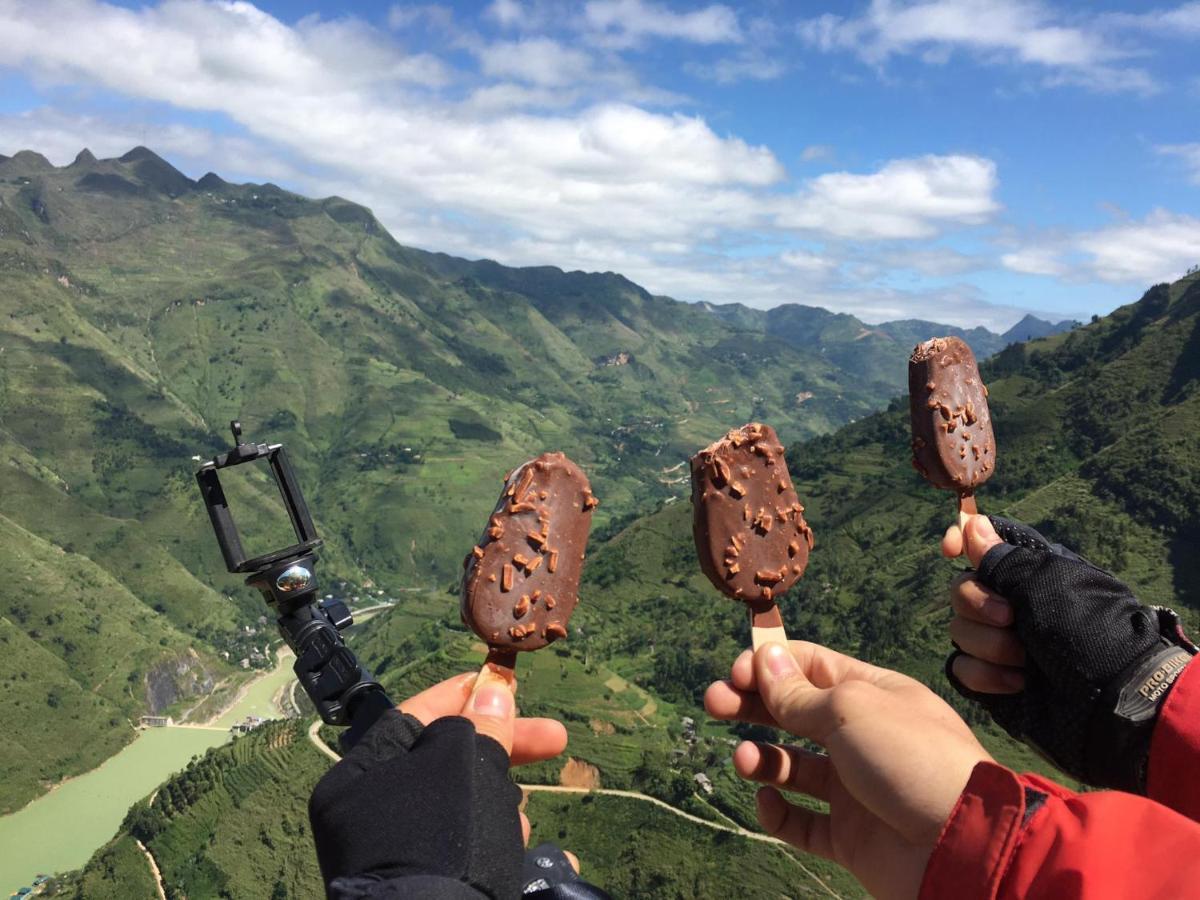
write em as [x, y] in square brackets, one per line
[343, 691]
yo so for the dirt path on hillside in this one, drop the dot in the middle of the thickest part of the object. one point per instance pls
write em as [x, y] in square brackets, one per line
[158, 882]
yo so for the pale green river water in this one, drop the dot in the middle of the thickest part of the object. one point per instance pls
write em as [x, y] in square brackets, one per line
[61, 830]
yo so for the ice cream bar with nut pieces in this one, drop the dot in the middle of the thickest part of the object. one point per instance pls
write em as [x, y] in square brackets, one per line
[748, 524]
[953, 446]
[521, 581]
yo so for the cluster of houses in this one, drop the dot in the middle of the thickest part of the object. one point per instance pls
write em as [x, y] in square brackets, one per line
[703, 782]
[247, 724]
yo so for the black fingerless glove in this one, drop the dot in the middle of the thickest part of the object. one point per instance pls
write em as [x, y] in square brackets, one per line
[1098, 663]
[419, 812]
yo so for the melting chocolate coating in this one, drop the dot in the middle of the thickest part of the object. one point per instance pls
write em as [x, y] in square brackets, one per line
[952, 442]
[521, 582]
[747, 521]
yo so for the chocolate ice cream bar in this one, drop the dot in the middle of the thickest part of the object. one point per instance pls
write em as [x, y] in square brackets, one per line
[747, 521]
[952, 442]
[521, 582]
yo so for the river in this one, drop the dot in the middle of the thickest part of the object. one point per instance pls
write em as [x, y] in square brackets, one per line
[62, 829]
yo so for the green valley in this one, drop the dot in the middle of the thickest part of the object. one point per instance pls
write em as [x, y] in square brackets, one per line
[144, 310]
[140, 311]
[876, 587]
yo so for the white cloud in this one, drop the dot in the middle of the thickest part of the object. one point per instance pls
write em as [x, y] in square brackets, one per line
[506, 13]
[1161, 247]
[406, 15]
[1016, 31]
[627, 22]
[1185, 18]
[749, 65]
[905, 199]
[936, 262]
[817, 153]
[1180, 21]
[807, 261]
[1189, 153]
[505, 96]
[1036, 260]
[539, 61]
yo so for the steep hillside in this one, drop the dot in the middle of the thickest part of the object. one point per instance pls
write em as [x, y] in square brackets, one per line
[141, 310]
[224, 827]
[1084, 422]
[1097, 444]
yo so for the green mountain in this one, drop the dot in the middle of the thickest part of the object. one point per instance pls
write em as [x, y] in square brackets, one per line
[141, 310]
[1097, 437]
[1096, 433]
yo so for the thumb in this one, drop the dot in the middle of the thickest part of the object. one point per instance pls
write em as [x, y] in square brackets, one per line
[980, 537]
[492, 709]
[793, 701]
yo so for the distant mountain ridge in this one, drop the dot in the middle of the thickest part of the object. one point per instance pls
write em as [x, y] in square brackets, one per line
[881, 351]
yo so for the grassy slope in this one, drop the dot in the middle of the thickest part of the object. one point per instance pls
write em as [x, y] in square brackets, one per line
[634, 850]
[227, 826]
[1067, 410]
[118, 871]
[139, 312]
[75, 647]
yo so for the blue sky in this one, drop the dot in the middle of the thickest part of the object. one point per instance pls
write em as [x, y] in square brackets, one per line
[958, 160]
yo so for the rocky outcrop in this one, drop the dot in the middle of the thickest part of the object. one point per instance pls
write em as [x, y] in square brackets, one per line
[174, 679]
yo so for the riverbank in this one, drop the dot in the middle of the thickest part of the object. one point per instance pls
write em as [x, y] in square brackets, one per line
[63, 828]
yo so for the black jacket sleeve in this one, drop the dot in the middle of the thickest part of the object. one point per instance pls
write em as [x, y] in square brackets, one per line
[419, 812]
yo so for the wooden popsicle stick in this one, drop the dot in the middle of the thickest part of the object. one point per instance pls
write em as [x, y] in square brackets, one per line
[766, 625]
[500, 666]
[966, 509]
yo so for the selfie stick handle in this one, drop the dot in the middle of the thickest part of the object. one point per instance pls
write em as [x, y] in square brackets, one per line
[343, 691]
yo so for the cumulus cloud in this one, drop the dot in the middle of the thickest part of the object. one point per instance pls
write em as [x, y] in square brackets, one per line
[905, 199]
[1160, 247]
[434, 15]
[817, 153]
[1179, 21]
[540, 61]
[1189, 153]
[750, 65]
[807, 261]
[936, 262]
[1016, 31]
[506, 12]
[627, 22]
[1036, 260]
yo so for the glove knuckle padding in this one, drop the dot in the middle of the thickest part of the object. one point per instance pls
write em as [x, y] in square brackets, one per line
[445, 807]
[1076, 622]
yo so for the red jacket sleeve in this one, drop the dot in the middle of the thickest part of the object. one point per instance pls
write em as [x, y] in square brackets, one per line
[1175, 747]
[1021, 837]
